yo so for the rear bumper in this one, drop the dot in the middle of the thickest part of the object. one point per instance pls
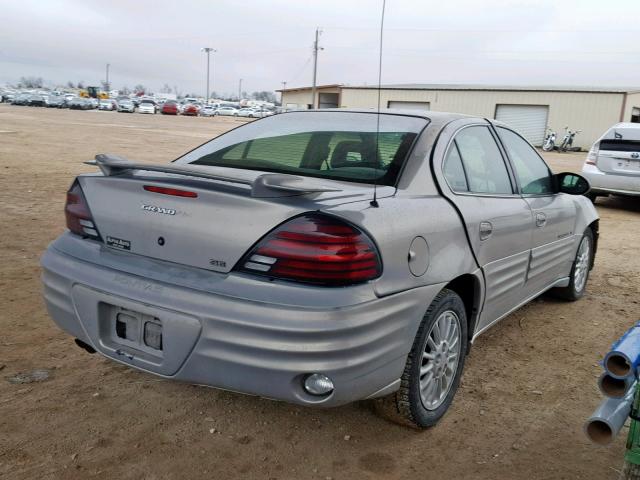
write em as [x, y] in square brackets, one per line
[230, 342]
[602, 182]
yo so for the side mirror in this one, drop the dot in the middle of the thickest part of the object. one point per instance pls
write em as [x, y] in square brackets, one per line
[571, 183]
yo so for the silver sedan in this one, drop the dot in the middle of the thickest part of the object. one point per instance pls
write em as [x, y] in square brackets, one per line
[319, 257]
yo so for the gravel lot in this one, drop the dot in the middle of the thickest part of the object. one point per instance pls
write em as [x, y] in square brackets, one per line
[528, 386]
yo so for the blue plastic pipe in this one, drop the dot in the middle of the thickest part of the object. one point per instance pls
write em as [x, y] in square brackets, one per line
[623, 359]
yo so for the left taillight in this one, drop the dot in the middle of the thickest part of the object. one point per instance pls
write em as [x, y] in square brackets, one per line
[592, 156]
[79, 219]
[315, 248]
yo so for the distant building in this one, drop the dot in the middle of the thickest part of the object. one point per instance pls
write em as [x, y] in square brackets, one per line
[528, 109]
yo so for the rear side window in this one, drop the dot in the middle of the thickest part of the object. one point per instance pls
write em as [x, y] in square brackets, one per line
[483, 164]
[454, 171]
[534, 177]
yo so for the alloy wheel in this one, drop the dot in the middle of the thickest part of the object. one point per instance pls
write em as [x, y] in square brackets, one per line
[440, 359]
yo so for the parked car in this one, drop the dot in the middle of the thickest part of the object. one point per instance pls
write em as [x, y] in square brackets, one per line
[170, 108]
[37, 101]
[7, 96]
[108, 104]
[126, 105]
[147, 106]
[21, 99]
[229, 111]
[260, 113]
[55, 101]
[276, 251]
[613, 163]
[245, 112]
[208, 111]
[79, 103]
[191, 109]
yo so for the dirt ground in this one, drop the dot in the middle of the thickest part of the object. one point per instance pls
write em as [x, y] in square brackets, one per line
[528, 385]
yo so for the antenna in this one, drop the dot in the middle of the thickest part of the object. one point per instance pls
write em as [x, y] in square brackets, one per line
[374, 202]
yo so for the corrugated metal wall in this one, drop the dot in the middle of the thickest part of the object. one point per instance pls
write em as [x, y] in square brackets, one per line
[593, 113]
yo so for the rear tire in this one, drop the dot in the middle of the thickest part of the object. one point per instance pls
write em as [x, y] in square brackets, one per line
[579, 270]
[435, 363]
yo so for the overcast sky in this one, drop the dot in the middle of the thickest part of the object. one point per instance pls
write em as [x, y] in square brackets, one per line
[524, 42]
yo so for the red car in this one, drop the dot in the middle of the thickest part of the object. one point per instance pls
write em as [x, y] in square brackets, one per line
[170, 108]
[191, 109]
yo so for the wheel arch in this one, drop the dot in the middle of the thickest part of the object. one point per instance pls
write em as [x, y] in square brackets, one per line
[469, 287]
[595, 230]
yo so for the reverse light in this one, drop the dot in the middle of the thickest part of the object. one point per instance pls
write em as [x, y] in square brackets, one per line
[592, 156]
[79, 219]
[315, 248]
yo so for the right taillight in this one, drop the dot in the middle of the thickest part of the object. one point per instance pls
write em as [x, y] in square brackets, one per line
[592, 156]
[79, 219]
[315, 248]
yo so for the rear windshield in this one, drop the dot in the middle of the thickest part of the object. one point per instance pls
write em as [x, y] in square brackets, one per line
[337, 145]
[620, 145]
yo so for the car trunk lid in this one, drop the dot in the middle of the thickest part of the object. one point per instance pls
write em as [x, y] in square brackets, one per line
[217, 223]
[619, 151]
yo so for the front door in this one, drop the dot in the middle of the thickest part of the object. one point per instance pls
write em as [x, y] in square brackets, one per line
[553, 241]
[497, 219]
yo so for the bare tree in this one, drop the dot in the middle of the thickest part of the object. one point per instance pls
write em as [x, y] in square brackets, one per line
[165, 89]
[265, 96]
[30, 82]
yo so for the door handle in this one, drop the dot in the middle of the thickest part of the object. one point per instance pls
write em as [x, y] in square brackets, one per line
[541, 219]
[486, 229]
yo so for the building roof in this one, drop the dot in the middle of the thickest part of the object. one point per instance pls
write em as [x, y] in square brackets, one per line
[318, 87]
[479, 87]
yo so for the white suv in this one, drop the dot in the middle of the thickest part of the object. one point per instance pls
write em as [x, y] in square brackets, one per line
[613, 163]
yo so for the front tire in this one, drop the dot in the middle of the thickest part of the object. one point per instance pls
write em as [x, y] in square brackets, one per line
[580, 270]
[434, 365]
[591, 196]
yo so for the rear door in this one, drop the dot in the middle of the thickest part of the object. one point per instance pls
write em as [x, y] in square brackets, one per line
[553, 240]
[619, 151]
[497, 219]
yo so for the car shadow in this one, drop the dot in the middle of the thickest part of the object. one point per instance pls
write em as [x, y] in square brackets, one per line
[615, 202]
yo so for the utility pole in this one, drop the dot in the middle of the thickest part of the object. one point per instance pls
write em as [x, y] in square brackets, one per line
[208, 51]
[315, 67]
[107, 82]
[240, 90]
[284, 87]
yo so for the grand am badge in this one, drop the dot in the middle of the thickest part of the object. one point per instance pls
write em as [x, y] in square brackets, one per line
[155, 209]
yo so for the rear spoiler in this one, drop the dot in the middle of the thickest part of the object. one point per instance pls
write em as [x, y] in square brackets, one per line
[262, 186]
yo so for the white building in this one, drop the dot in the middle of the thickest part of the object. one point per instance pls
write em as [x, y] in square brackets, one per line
[528, 109]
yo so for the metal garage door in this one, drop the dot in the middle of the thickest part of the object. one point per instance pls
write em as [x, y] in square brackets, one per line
[529, 120]
[408, 105]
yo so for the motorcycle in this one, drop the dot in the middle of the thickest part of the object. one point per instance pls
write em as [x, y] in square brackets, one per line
[549, 141]
[567, 140]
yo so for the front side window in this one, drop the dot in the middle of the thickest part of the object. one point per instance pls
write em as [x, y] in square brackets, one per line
[356, 147]
[484, 166]
[534, 177]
